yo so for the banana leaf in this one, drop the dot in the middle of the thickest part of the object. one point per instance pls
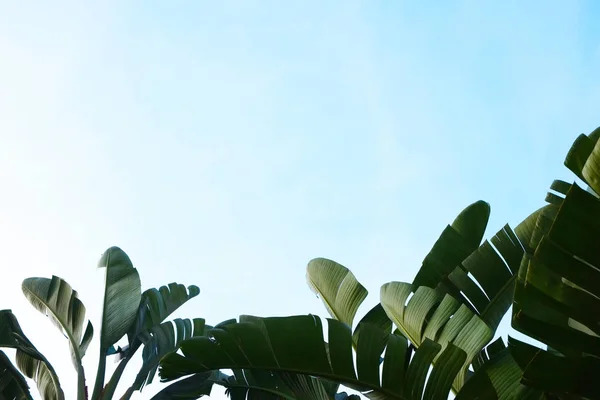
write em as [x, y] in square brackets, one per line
[12, 383]
[295, 345]
[29, 360]
[56, 299]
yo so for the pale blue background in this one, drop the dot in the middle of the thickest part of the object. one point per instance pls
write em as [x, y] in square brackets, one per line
[227, 143]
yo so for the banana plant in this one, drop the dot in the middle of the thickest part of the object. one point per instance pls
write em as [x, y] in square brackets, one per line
[459, 295]
[432, 318]
[126, 311]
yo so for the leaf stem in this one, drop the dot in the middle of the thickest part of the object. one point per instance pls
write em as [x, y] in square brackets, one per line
[99, 384]
[81, 389]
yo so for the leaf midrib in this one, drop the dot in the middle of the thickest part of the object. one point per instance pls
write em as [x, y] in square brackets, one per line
[324, 299]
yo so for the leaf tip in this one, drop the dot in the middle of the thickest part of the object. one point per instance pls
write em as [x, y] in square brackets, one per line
[114, 257]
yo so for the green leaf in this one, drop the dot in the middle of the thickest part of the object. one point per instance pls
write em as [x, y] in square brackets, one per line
[56, 299]
[525, 230]
[337, 287]
[558, 294]
[157, 304]
[295, 345]
[471, 223]
[12, 383]
[430, 316]
[122, 295]
[376, 316]
[482, 277]
[499, 377]
[29, 360]
[191, 388]
[455, 243]
[584, 159]
[164, 339]
[342, 294]
[557, 374]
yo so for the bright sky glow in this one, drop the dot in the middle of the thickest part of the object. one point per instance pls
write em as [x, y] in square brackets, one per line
[225, 144]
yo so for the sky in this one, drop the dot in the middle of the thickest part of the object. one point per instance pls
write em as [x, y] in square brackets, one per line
[225, 144]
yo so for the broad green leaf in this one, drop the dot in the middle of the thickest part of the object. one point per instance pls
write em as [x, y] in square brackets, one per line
[295, 345]
[572, 376]
[525, 230]
[12, 383]
[163, 339]
[584, 159]
[482, 277]
[376, 316]
[56, 299]
[122, 295]
[430, 316]
[455, 243]
[471, 223]
[29, 360]
[499, 377]
[259, 384]
[157, 304]
[342, 294]
[337, 287]
[190, 388]
[449, 363]
[558, 292]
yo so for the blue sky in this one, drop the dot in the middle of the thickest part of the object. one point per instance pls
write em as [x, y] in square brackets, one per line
[226, 144]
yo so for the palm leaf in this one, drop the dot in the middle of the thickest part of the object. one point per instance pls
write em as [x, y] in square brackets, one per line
[29, 360]
[56, 299]
[295, 345]
[12, 383]
[122, 295]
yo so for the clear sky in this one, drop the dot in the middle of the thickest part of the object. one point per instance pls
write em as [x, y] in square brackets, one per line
[227, 143]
